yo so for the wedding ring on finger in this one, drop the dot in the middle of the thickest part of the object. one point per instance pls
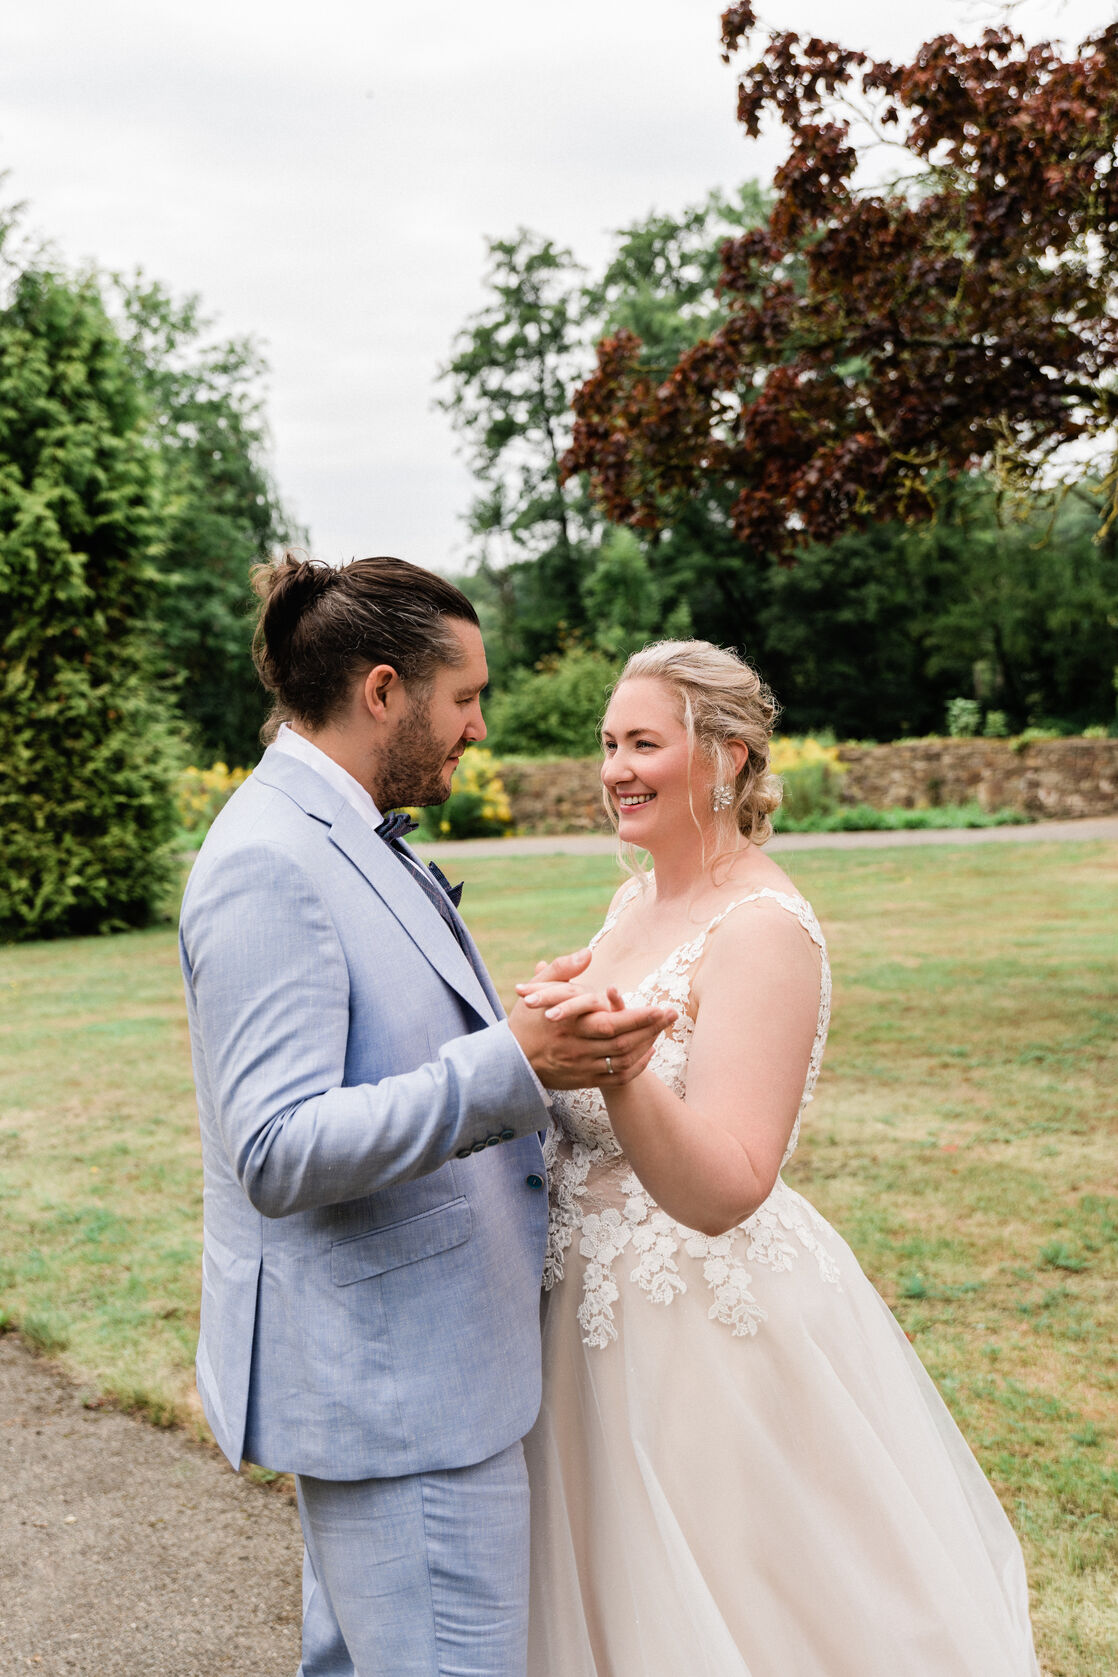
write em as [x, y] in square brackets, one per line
[609, 1066]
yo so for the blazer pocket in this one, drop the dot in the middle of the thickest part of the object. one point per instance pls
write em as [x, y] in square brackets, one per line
[363, 1256]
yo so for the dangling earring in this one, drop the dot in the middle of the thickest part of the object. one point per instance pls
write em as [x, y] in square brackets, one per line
[722, 797]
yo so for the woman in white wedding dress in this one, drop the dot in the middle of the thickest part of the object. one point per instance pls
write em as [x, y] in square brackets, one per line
[740, 1468]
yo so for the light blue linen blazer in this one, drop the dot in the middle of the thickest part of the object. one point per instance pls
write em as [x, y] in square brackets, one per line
[375, 1209]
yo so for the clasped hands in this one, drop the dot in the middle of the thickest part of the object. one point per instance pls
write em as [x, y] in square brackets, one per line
[574, 1038]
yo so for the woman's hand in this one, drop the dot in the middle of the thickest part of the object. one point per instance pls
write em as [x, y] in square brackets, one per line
[588, 1039]
[555, 988]
[568, 1001]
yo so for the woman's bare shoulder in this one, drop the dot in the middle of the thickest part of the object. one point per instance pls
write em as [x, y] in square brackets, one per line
[751, 870]
[758, 937]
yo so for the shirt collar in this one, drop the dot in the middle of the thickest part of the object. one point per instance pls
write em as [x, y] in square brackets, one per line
[297, 745]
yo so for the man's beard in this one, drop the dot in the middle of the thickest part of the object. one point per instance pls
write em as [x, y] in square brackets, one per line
[412, 770]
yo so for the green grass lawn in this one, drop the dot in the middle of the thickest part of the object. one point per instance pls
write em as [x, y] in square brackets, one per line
[962, 1139]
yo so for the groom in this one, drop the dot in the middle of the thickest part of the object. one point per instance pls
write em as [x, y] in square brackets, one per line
[375, 1203]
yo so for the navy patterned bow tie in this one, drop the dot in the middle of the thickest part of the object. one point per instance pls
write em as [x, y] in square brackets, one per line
[398, 825]
[454, 892]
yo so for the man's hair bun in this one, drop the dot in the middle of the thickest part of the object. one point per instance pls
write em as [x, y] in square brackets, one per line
[287, 590]
[321, 626]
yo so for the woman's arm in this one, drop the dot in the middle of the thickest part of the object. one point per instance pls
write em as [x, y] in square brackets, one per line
[712, 1158]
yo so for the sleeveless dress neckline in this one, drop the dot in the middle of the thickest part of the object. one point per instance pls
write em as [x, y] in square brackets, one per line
[786, 898]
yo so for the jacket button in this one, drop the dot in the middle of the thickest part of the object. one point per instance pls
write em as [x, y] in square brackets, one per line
[508, 1135]
[534, 1181]
[463, 1153]
[479, 1147]
[493, 1141]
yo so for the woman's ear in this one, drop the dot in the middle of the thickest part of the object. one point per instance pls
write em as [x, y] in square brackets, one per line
[739, 754]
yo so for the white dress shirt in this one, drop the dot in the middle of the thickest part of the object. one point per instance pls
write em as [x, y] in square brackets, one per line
[297, 745]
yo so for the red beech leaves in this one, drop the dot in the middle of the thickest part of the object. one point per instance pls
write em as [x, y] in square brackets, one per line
[875, 339]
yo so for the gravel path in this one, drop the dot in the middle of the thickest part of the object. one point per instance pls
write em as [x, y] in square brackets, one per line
[603, 844]
[130, 1552]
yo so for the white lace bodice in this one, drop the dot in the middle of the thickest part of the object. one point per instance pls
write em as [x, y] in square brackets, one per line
[594, 1193]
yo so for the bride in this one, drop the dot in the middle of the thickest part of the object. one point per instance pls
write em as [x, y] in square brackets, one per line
[740, 1468]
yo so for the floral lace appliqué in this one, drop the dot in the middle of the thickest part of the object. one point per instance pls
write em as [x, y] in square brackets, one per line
[593, 1193]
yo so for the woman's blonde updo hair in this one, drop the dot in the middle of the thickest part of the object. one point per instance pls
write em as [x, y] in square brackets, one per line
[720, 698]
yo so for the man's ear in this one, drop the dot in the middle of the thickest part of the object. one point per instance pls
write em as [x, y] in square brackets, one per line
[381, 691]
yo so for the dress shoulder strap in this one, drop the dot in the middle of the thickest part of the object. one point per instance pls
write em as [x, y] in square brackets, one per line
[794, 904]
[686, 957]
[631, 890]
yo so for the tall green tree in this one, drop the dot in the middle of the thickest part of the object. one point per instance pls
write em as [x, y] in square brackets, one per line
[87, 743]
[222, 511]
[508, 397]
[661, 284]
[539, 573]
[871, 635]
[662, 280]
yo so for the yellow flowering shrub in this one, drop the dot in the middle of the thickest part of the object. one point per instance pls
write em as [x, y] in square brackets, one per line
[787, 752]
[478, 806]
[810, 772]
[202, 793]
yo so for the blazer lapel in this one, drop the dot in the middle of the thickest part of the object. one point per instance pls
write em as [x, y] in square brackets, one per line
[388, 876]
[482, 974]
[406, 898]
[471, 947]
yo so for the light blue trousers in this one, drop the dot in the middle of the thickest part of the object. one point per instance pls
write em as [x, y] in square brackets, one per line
[424, 1576]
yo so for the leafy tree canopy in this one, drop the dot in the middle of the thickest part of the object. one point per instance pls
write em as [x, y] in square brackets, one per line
[221, 510]
[875, 339]
[831, 418]
[539, 574]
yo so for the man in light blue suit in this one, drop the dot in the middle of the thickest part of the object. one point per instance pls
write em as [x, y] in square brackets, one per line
[375, 1200]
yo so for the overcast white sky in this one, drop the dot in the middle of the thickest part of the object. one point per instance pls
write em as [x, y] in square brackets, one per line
[324, 175]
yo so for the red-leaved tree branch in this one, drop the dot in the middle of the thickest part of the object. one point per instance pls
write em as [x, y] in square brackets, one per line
[875, 340]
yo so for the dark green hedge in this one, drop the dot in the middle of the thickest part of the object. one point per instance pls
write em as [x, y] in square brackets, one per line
[88, 747]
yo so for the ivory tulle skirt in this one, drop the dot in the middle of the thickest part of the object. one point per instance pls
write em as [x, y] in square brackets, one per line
[796, 1502]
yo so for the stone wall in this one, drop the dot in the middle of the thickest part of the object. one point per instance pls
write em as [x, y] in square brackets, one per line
[1049, 780]
[561, 795]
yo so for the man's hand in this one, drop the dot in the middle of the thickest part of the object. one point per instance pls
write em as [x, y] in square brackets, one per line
[574, 1039]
